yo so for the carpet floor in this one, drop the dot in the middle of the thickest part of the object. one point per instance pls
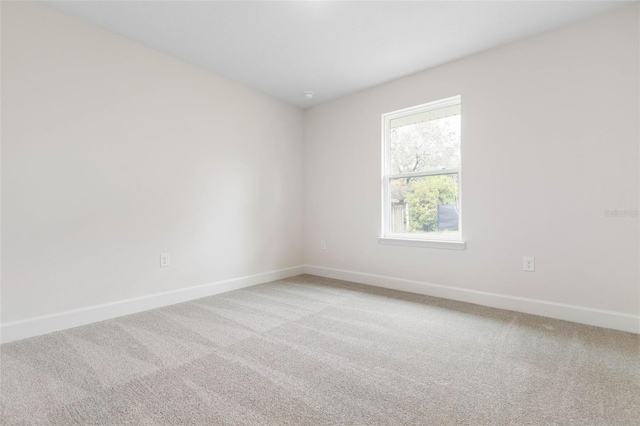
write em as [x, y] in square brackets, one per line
[316, 351]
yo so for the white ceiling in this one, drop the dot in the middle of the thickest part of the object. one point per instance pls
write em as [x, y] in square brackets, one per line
[330, 47]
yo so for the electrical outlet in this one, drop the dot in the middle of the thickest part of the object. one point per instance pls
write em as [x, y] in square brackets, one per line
[323, 245]
[528, 264]
[164, 260]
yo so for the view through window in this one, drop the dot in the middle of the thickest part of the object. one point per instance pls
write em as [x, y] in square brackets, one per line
[422, 165]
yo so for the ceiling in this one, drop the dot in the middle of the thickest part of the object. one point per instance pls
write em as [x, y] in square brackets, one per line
[332, 48]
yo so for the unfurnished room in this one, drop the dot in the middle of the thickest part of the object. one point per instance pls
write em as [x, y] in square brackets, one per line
[319, 212]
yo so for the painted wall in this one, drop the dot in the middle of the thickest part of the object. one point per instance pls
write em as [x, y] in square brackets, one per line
[113, 153]
[550, 140]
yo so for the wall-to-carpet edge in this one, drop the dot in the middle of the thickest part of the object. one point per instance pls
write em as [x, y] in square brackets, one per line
[578, 314]
[16, 330]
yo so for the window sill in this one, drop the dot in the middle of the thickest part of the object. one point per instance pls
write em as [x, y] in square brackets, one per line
[439, 244]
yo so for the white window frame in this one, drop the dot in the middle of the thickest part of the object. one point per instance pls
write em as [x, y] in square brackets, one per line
[416, 240]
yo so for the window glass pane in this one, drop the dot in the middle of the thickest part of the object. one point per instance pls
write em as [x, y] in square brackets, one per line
[426, 141]
[425, 205]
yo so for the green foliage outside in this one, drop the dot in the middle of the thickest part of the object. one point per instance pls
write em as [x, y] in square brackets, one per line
[424, 146]
[422, 196]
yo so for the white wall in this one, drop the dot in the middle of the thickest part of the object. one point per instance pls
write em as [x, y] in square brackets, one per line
[113, 153]
[550, 140]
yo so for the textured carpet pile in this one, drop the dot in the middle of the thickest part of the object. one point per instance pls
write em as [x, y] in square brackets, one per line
[315, 351]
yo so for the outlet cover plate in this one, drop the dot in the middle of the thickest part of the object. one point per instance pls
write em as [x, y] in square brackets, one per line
[529, 264]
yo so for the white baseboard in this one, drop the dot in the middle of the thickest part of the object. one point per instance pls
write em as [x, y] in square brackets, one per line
[17, 330]
[589, 316]
[22, 329]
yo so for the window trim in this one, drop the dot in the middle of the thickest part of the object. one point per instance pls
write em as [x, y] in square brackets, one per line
[409, 242]
[416, 240]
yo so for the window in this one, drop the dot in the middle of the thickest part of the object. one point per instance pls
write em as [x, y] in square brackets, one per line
[421, 173]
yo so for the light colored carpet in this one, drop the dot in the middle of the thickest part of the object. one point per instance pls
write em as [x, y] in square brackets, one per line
[310, 350]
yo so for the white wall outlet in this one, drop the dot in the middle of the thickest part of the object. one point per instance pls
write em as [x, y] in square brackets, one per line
[164, 259]
[529, 263]
[323, 245]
